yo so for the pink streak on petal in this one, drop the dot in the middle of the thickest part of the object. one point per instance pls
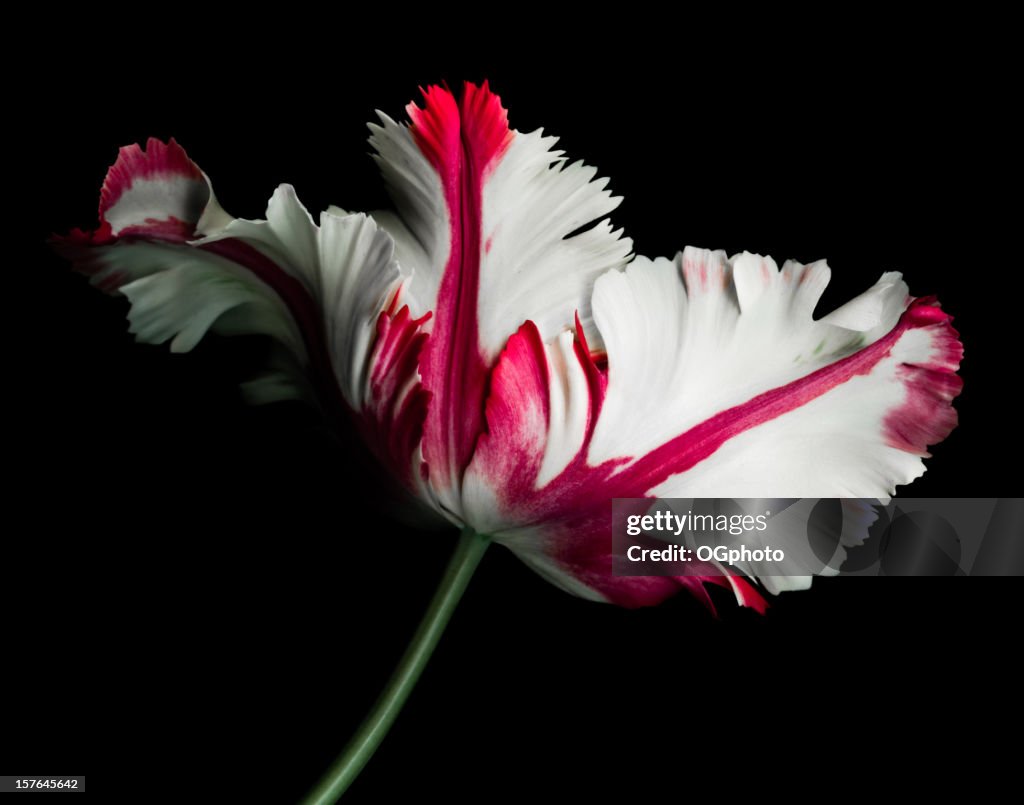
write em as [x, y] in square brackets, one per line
[597, 378]
[170, 228]
[463, 141]
[517, 414]
[392, 420]
[158, 161]
[745, 592]
[927, 417]
[188, 195]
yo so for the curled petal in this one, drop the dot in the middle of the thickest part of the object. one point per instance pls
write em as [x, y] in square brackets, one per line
[157, 193]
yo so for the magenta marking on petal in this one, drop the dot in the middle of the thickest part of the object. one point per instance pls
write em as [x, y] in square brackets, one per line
[462, 140]
[927, 416]
[745, 592]
[158, 160]
[597, 377]
[171, 228]
[394, 414]
[517, 410]
[642, 591]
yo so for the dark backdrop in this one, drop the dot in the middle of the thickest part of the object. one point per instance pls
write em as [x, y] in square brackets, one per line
[197, 581]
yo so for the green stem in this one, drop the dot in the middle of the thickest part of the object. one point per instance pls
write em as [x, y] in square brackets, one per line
[375, 726]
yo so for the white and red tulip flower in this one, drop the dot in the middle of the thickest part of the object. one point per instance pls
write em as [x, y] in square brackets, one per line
[512, 363]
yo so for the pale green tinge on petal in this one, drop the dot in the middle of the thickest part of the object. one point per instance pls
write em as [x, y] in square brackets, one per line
[288, 236]
[214, 217]
[357, 276]
[184, 302]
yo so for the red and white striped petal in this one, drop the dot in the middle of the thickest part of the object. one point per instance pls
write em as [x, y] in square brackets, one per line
[328, 293]
[700, 334]
[483, 215]
[155, 193]
[719, 383]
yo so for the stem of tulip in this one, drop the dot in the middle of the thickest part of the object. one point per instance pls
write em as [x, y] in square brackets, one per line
[375, 726]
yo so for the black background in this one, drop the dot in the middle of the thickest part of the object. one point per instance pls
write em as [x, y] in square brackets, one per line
[197, 589]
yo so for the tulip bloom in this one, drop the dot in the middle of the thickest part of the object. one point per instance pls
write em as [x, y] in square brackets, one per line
[510, 362]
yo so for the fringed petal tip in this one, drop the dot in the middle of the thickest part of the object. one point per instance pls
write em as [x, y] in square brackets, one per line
[155, 194]
[927, 416]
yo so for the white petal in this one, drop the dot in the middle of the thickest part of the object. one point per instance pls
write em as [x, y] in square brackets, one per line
[357, 276]
[531, 202]
[694, 336]
[288, 237]
[531, 269]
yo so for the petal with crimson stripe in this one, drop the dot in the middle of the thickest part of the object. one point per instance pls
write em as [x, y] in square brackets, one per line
[487, 218]
[719, 383]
